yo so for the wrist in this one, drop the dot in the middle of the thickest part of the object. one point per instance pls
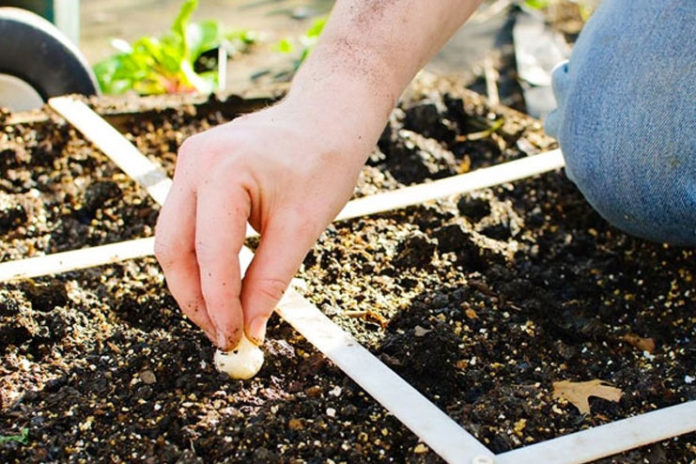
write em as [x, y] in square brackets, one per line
[354, 100]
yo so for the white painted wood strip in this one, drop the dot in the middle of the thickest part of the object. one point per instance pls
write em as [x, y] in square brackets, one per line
[608, 439]
[481, 178]
[114, 145]
[76, 259]
[425, 419]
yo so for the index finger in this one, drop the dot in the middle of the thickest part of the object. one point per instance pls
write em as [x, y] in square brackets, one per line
[222, 211]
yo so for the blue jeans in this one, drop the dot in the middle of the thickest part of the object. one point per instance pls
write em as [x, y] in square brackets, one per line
[626, 116]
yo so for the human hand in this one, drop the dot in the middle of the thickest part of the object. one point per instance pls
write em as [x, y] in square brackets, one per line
[287, 170]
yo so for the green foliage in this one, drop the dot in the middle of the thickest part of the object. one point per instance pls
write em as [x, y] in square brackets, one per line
[284, 46]
[311, 37]
[166, 64]
[307, 41]
[316, 29]
[537, 4]
[22, 438]
[239, 40]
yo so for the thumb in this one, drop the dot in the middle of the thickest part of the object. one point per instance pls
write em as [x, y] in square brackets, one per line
[279, 255]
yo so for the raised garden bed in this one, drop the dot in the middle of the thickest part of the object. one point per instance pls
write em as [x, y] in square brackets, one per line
[481, 302]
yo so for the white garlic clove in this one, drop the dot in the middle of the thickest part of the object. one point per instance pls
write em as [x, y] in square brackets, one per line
[243, 362]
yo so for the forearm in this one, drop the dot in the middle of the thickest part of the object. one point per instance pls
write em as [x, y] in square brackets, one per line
[368, 53]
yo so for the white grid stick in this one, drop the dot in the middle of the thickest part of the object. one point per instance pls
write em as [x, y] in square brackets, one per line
[481, 178]
[112, 143]
[434, 427]
[76, 259]
[608, 439]
[578, 447]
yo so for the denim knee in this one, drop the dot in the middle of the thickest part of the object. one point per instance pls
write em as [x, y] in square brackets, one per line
[626, 117]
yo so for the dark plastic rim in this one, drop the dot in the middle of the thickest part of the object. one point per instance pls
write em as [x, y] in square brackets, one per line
[35, 51]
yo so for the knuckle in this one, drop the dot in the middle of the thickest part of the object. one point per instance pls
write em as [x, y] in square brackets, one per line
[272, 289]
[187, 147]
[193, 151]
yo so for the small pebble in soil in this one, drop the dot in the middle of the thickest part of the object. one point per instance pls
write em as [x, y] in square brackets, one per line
[243, 362]
[148, 377]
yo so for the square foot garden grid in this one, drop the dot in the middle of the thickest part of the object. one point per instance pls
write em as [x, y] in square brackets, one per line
[433, 427]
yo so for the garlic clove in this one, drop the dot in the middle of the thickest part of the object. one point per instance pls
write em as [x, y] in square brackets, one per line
[243, 362]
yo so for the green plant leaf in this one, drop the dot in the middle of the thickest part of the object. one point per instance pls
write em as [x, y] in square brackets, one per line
[239, 41]
[308, 40]
[22, 438]
[247, 36]
[163, 64]
[202, 37]
[316, 28]
[284, 46]
[181, 23]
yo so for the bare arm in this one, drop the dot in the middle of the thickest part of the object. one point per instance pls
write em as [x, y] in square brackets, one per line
[289, 169]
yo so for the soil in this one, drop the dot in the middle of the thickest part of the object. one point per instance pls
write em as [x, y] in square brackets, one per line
[480, 301]
[57, 193]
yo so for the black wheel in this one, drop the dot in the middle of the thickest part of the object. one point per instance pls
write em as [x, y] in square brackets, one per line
[36, 56]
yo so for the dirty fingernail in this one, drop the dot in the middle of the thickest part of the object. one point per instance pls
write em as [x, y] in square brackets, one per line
[257, 330]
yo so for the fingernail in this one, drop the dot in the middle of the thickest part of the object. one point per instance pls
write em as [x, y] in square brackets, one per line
[257, 330]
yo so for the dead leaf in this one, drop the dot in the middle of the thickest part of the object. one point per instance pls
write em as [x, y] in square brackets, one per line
[643, 344]
[578, 393]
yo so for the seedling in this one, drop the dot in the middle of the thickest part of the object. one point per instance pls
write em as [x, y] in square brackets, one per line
[168, 64]
[22, 438]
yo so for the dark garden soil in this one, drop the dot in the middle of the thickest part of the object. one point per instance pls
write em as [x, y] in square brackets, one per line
[480, 301]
